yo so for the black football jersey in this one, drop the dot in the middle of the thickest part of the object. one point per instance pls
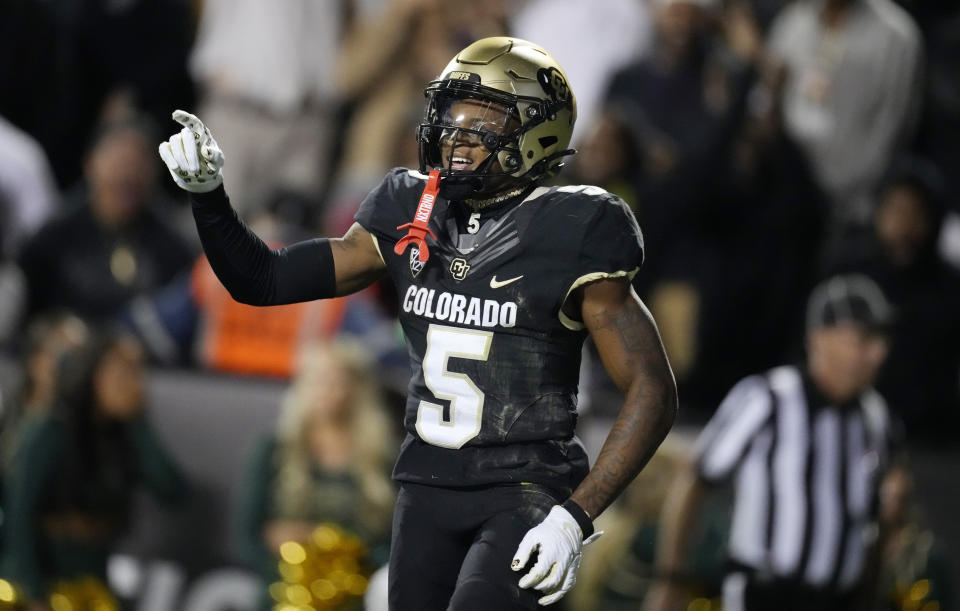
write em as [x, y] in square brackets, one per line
[495, 362]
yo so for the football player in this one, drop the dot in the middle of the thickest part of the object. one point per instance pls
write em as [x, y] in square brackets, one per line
[500, 280]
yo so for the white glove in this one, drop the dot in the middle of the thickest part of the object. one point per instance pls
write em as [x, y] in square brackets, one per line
[558, 541]
[192, 155]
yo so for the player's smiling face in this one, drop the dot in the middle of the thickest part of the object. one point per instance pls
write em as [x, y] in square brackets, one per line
[464, 150]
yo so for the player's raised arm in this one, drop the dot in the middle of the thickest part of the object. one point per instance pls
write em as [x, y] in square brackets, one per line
[632, 352]
[251, 271]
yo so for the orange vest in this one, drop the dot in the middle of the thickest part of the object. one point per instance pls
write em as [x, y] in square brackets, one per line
[256, 340]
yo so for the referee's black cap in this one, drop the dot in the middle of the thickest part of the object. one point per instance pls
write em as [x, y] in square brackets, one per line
[849, 298]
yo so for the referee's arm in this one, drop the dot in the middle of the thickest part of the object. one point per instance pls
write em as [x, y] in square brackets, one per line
[678, 516]
[889, 513]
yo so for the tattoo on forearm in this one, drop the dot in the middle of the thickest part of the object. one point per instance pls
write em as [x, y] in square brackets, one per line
[629, 328]
[629, 324]
[647, 413]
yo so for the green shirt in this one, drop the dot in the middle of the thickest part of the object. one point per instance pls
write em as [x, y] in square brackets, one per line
[33, 558]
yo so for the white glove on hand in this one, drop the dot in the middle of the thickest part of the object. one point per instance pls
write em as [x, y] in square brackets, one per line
[192, 155]
[558, 541]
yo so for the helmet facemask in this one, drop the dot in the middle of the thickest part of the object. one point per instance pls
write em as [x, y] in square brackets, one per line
[472, 136]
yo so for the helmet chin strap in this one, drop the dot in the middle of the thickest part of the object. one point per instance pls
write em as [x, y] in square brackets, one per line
[520, 184]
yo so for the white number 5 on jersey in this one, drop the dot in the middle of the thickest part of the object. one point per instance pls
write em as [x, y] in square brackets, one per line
[466, 400]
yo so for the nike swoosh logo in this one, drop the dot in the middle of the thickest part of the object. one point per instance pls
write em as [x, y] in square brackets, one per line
[494, 284]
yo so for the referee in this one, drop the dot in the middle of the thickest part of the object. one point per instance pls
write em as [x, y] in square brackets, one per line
[806, 448]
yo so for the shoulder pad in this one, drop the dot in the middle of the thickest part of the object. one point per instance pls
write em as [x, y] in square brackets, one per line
[610, 243]
[391, 203]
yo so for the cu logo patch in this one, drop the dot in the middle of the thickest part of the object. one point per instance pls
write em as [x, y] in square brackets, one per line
[416, 265]
[459, 269]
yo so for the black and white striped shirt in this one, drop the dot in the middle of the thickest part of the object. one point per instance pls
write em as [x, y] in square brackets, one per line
[806, 476]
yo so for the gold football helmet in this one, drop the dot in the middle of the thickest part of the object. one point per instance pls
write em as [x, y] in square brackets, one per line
[498, 118]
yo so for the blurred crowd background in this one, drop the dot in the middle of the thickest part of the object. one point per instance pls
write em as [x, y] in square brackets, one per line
[763, 144]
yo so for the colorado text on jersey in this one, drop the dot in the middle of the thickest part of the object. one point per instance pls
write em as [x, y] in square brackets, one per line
[459, 309]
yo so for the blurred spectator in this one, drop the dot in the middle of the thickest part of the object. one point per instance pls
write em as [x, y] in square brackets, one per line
[618, 572]
[27, 197]
[45, 342]
[915, 573]
[768, 222]
[850, 72]
[940, 119]
[608, 157]
[684, 103]
[46, 339]
[591, 40]
[111, 244]
[385, 62]
[267, 73]
[27, 191]
[921, 379]
[75, 469]
[327, 462]
[807, 448]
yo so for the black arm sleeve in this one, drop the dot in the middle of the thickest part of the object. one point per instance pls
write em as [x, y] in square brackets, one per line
[250, 270]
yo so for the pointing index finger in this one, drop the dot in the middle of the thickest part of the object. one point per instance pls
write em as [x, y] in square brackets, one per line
[189, 121]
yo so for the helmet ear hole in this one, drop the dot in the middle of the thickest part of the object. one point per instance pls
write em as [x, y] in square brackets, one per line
[547, 141]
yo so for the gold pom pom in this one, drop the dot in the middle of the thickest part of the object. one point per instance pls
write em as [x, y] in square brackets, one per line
[326, 572]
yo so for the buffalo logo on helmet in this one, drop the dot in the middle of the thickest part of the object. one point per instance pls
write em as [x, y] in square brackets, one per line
[554, 85]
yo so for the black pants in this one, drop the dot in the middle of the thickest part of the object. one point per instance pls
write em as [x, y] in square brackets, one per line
[452, 548]
[743, 592]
